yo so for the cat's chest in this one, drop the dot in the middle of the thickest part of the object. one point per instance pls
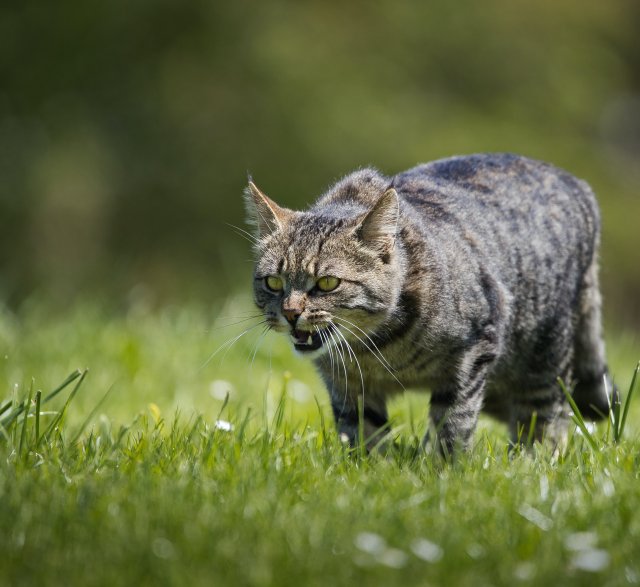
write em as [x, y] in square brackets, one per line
[384, 370]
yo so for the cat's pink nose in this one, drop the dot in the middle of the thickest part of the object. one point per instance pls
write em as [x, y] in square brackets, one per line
[291, 314]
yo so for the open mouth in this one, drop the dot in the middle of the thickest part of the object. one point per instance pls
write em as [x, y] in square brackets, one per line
[305, 341]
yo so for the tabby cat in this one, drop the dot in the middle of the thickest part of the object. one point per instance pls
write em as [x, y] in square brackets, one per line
[475, 277]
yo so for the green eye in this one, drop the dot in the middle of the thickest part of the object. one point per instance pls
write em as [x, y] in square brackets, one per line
[327, 283]
[273, 283]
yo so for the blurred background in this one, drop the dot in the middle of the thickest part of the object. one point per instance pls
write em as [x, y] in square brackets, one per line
[127, 128]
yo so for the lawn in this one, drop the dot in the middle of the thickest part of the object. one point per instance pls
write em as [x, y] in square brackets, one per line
[174, 464]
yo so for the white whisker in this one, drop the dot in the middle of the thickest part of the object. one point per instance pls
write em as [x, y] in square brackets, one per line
[245, 234]
[326, 342]
[239, 321]
[382, 357]
[340, 353]
[378, 358]
[257, 345]
[227, 345]
[353, 354]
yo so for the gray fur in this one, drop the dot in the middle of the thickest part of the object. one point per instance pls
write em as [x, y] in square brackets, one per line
[475, 277]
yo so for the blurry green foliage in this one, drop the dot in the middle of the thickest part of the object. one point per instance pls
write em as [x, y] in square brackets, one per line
[127, 128]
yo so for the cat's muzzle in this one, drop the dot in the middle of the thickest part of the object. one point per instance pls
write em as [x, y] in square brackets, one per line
[304, 340]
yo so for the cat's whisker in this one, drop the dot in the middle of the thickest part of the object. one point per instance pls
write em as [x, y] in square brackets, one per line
[383, 363]
[244, 234]
[342, 339]
[264, 332]
[229, 343]
[326, 343]
[353, 354]
[340, 353]
[356, 360]
[238, 338]
[333, 349]
[382, 357]
[239, 321]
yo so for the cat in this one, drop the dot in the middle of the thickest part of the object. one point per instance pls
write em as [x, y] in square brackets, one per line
[475, 277]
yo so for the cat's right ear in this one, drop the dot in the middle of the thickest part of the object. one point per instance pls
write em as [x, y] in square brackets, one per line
[379, 227]
[263, 212]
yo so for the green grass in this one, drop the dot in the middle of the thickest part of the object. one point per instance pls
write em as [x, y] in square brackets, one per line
[150, 476]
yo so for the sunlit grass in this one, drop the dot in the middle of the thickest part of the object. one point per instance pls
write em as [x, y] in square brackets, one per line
[159, 466]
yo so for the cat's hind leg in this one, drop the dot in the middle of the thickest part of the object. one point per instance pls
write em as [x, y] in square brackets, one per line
[537, 414]
[594, 391]
[538, 406]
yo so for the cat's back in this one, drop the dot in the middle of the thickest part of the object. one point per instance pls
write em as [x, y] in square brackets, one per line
[505, 201]
[501, 184]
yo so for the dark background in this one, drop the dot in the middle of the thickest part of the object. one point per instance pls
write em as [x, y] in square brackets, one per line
[127, 128]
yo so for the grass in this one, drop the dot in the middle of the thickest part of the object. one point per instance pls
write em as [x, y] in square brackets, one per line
[159, 466]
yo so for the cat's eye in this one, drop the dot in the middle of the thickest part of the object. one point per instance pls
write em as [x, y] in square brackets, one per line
[273, 282]
[327, 283]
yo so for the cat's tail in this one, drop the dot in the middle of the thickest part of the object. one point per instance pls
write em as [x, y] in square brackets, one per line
[594, 392]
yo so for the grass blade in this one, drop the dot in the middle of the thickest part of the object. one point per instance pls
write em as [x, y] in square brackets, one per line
[613, 421]
[627, 401]
[577, 416]
[13, 416]
[532, 429]
[38, 398]
[60, 415]
[278, 415]
[92, 413]
[224, 405]
[6, 406]
[23, 432]
[70, 379]
[323, 427]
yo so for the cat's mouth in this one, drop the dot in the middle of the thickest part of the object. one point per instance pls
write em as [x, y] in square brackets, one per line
[305, 341]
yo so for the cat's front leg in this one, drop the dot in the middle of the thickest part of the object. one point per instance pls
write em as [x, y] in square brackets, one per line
[349, 418]
[456, 402]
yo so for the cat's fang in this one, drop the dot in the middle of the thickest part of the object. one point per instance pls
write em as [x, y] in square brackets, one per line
[304, 340]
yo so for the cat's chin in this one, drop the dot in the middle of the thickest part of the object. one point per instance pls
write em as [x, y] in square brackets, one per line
[310, 354]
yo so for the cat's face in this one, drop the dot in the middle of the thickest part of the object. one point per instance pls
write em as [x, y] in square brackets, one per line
[319, 278]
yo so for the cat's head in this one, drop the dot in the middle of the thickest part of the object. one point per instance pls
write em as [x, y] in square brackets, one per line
[330, 272]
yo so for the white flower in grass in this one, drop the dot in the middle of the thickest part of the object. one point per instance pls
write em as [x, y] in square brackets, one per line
[592, 560]
[223, 425]
[525, 571]
[375, 546]
[370, 543]
[587, 557]
[536, 517]
[580, 541]
[393, 557]
[427, 550]
[590, 426]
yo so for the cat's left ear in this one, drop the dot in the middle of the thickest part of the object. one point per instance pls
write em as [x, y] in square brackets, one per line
[263, 212]
[378, 228]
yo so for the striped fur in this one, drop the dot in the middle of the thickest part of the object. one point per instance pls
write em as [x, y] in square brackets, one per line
[474, 277]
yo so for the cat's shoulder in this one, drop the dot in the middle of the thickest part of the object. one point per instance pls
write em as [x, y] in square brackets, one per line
[359, 189]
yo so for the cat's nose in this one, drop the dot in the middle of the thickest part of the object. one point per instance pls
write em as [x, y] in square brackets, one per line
[291, 314]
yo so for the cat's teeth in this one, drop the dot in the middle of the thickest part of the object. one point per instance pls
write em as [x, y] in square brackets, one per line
[309, 341]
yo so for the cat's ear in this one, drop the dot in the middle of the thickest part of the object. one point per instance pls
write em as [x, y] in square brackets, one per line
[263, 212]
[378, 228]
